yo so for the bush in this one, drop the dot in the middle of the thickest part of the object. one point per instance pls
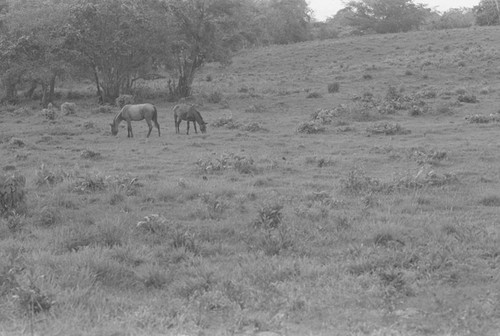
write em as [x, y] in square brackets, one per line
[242, 164]
[215, 97]
[310, 127]
[68, 108]
[123, 100]
[12, 194]
[103, 109]
[333, 87]
[314, 95]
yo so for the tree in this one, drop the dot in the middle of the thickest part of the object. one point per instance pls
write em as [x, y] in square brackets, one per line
[386, 16]
[32, 46]
[117, 40]
[487, 13]
[289, 21]
[204, 31]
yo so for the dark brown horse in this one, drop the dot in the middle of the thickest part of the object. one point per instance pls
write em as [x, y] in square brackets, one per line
[190, 114]
[138, 112]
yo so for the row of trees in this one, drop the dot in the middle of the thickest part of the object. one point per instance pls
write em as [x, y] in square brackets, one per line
[116, 42]
[392, 16]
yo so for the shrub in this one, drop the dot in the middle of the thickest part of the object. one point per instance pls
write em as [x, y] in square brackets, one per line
[387, 128]
[274, 235]
[103, 109]
[310, 127]
[226, 121]
[467, 98]
[123, 100]
[215, 97]
[314, 95]
[45, 176]
[256, 108]
[12, 194]
[226, 161]
[90, 155]
[333, 87]
[68, 108]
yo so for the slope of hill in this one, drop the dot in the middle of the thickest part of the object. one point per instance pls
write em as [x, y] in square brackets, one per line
[344, 187]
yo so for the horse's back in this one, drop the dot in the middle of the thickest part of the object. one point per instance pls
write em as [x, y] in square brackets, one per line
[185, 111]
[138, 111]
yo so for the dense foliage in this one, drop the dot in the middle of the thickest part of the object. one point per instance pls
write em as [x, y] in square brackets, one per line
[487, 13]
[386, 16]
[116, 42]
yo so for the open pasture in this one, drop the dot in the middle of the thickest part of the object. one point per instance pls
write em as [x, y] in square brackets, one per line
[343, 187]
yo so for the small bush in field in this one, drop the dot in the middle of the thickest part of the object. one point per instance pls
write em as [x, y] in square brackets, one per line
[273, 234]
[310, 127]
[123, 100]
[357, 182]
[12, 194]
[226, 121]
[103, 109]
[256, 108]
[90, 184]
[184, 239]
[240, 163]
[492, 200]
[215, 97]
[387, 128]
[467, 98]
[91, 155]
[47, 216]
[314, 95]
[47, 177]
[333, 87]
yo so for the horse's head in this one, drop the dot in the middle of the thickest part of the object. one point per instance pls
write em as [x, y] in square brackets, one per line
[114, 129]
[203, 127]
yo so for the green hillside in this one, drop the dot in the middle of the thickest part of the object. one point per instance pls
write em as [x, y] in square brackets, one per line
[343, 187]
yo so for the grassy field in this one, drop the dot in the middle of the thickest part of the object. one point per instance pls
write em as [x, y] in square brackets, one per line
[344, 187]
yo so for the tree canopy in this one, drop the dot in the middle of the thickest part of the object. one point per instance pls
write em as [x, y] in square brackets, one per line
[386, 16]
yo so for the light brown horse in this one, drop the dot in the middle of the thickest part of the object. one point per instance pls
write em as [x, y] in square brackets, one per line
[190, 114]
[137, 112]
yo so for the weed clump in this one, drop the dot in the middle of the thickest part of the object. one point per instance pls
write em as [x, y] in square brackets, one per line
[12, 194]
[333, 87]
[482, 119]
[468, 98]
[273, 234]
[227, 161]
[123, 100]
[314, 95]
[215, 97]
[226, 121]
[387, 128]
[310, 127]
[90, 155]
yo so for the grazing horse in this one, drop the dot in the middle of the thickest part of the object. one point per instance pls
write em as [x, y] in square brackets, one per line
[138, 112]
[188, 113]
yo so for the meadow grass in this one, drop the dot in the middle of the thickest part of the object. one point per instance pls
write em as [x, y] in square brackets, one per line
[371, 209]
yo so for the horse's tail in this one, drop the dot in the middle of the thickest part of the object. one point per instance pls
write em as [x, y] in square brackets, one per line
[155, 119]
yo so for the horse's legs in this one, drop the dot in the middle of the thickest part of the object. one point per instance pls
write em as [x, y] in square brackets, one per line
[195, 130]
[187, 132]
[150, 127]
[129, 129]
[157, 126]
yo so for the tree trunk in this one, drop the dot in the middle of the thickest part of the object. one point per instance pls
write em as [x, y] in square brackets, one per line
[10, 93]
[52, 88]
[45, 94]
[100, 94]
[31, 90]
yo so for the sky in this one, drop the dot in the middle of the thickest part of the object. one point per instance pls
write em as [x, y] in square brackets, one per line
[326, 8]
